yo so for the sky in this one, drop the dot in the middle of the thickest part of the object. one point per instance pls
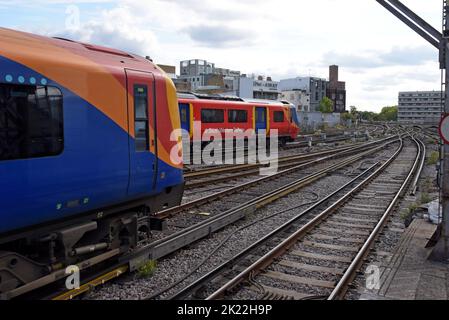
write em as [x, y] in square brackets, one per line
[378, 55]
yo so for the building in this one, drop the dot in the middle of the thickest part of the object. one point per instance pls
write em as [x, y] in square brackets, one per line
[310, 92]
[300, 98]
[336, 90]
[258, 88]
[420, 107]
[195, 68]
[202, 76]
[180, 84]
[169, 70]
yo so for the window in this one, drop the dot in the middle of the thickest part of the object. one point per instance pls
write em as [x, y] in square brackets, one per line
[183, 115]
[212, 116]
[31, 121]
[237, 116]
[278, 116]
[141, 117]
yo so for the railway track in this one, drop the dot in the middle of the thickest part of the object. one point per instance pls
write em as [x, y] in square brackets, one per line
[301, 144]
[199, 178]
[189, 234]
[431, 134]
[262, 202]
[317, 259]
[266, 183]
[332, 138]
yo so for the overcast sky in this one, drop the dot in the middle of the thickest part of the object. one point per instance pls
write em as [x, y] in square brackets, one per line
[377, 54]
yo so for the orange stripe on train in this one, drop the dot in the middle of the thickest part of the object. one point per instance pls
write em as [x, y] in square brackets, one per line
[81, 75]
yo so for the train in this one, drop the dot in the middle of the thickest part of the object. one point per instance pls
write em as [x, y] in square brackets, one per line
[84, 153]
[216, 114]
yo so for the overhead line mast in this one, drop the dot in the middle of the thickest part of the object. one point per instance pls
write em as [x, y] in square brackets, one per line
[439, 41]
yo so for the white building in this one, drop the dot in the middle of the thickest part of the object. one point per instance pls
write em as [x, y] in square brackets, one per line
[311, 91]
[420, 107]
[200, 74]
[258, 88]
[300, 98]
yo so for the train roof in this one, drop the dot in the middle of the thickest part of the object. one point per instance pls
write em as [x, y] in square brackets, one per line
[217, 97]
[200, 96]
[60, 51]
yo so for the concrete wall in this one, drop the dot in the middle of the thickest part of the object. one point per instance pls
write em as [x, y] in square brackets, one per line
[246, 88]
[311, 121]
[300, 83]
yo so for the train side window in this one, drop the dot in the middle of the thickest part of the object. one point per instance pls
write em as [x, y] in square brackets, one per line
[278, 116]
[237, 116]
[31, 121]
[212, 116]
[141, 117]
[183, 115]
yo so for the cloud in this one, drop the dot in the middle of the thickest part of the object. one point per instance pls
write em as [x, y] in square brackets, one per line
[279, 38]
[397, 56]
[389, 81]
[409, 56]
[225, 11]
[219, 35]
[116, 29]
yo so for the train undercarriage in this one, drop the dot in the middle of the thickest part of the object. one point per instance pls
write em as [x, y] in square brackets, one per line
[42, 255]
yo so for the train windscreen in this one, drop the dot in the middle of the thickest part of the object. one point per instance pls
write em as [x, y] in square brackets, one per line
[294, 116]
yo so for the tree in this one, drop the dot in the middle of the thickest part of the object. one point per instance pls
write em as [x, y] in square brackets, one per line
[368, 116]
[326, 105]
[353, 110]
[355, 114]
[389, 114]
[346, 116]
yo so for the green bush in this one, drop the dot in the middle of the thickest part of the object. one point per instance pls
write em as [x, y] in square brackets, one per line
[434, 158]
[408, 213]
[425, 198]
[148, 269]
[427, 185]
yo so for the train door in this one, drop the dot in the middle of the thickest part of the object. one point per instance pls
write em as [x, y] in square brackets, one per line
[141, 124]
[261, 118]
[184, 112]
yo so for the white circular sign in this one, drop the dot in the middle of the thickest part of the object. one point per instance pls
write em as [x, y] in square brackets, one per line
[444, 129]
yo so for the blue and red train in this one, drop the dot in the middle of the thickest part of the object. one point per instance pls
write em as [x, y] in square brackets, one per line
[218, 114]
[84, 152]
